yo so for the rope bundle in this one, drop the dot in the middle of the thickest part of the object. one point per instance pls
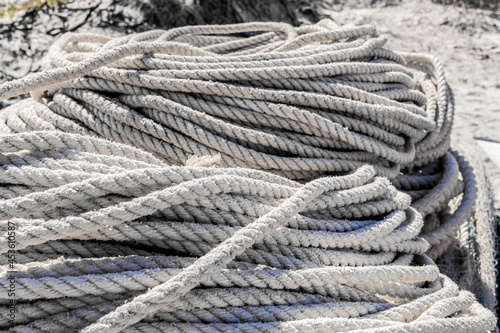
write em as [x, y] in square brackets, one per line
[432, 189]
[108, 235]
[146, 232]
[470, 259]
[299, 102]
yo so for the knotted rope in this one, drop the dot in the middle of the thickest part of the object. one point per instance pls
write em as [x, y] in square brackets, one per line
[150, 245]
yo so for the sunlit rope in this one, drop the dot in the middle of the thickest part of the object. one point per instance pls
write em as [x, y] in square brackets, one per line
[109, 238]
[300, 102]
[113, 238]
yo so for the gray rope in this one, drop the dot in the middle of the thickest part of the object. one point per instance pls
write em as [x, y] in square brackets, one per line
[304, 105]
[115, 165]
[152, 247]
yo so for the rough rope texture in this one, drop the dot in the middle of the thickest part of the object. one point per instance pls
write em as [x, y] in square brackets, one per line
[277, 101]
[212, 249]
[149, 245]
[470, 259]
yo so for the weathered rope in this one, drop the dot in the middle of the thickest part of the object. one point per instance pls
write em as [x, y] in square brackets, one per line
[150, 245]
[471, 256]
[109, 238]
[299, 102]
[433, 189]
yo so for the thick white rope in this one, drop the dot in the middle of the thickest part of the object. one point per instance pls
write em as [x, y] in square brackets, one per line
[258, 251]
[299, 102]
[294, 107]
[149, 247]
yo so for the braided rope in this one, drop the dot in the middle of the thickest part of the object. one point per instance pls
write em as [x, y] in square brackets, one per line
[169, 241]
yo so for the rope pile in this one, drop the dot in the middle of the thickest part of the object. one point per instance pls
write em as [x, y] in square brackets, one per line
[299, 102]
[470, 259]
[175, 181]
[339, 253]
[277, 101]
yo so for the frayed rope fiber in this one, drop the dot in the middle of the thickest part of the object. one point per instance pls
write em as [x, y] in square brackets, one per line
[107, 236]
[299, 102]
[241, 178]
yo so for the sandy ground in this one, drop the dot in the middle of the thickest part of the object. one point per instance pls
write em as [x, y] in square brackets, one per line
[467, 41]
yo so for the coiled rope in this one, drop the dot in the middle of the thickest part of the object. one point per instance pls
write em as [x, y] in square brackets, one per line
[299, 102]
[149, 245]
[470, 259]
[211, 249]
[432, 189]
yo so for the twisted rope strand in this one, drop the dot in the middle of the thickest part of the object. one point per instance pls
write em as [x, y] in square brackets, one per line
[136, 181]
